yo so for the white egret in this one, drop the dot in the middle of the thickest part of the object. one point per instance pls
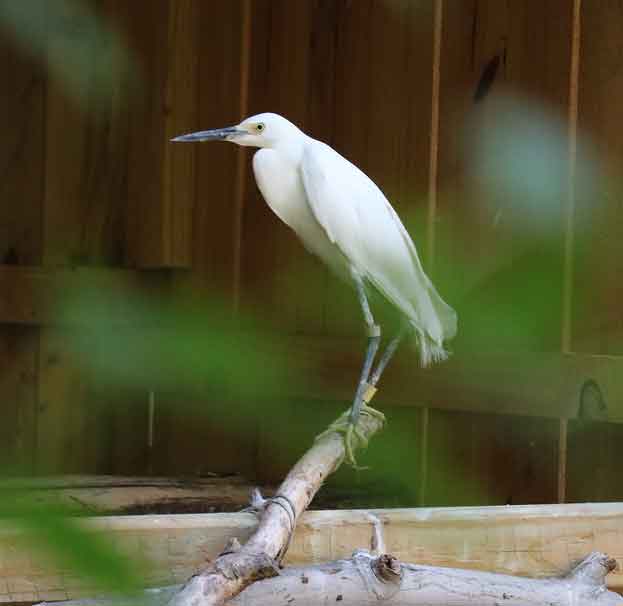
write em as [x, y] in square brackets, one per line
[344, 218]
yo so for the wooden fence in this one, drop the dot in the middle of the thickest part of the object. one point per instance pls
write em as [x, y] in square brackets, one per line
[408, 90]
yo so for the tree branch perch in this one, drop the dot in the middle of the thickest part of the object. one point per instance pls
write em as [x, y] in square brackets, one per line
[261, 556]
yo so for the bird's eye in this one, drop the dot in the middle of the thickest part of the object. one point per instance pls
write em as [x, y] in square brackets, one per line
[260, 127]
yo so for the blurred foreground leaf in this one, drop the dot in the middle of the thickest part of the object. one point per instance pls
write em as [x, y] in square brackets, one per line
[53, 530]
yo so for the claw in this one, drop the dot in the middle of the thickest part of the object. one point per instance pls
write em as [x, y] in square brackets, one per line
[353, 435]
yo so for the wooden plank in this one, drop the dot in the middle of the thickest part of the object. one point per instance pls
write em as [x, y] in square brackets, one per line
[504, 99]
[113, 495]
[61, 417]
[161, 182]
[547, 385]
[593, 471]
[18, 404]
[563, 425]
[208, 436]
[21, 155]
[86, 134]
[215, 218]
[33, 295]
[597, 323]
[21, 194]
[491, 459]
[522, 540]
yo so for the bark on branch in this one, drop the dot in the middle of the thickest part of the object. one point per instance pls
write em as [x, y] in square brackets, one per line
[251, 574]
[367, 579]
[238, 567]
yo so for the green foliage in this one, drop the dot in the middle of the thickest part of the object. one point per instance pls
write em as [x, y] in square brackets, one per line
[59, 533]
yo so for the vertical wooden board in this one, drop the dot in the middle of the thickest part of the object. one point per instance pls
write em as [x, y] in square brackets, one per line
[597, 324]
[593, 461]
[21, 191]
[60, 412]
[71, 40]
[382, 116]
[125, 411]
[21, 155]
[219, 80]
[18, 398]
[86, 133]
[161, 179]
[194, 437]
[503, 166]
[392, 460]
[273, 261]
[87, 125]
[104, 182]
[490, 459]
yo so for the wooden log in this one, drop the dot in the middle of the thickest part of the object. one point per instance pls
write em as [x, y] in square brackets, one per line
[367, 578]
[529, 540]
[237, 567]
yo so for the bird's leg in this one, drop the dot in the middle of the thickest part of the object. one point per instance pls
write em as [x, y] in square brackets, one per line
[347, 424]
[374, 339]
[390, 350]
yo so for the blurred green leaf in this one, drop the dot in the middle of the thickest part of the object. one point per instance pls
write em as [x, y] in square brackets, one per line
[64, 537]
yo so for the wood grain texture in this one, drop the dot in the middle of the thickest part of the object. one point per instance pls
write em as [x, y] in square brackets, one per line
[214, 216]
[40, 296]
[122, 495]
[209, 437]
[61, 414]
[504, 94]
[597, 322]
[86, 161]
[21, 192]
[21, 154]
[86, 134]
[491, 459]
[592, 469]
[161, 182]
[520, 540]
[18, 406]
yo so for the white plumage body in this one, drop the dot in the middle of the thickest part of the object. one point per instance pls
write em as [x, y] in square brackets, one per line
[344, 218]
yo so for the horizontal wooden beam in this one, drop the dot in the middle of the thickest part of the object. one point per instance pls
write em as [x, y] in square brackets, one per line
[119, 495]
[525, 383]
[521, 540]
[34, 295]
[541, 384]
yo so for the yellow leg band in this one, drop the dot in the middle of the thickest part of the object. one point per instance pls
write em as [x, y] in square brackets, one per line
[369, 393]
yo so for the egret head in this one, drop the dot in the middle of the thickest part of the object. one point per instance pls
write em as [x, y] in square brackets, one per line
[262, 130]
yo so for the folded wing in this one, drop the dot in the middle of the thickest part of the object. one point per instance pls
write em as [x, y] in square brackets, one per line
[359, 220]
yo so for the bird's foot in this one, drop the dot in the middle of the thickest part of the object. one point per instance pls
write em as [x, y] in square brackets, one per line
[353, 435]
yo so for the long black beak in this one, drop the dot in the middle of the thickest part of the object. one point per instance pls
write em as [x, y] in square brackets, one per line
[218, 134]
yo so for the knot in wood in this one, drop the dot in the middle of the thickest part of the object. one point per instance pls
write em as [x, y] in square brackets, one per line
[250, 566]
[610, 564]
[387, 568]
[233, 545]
